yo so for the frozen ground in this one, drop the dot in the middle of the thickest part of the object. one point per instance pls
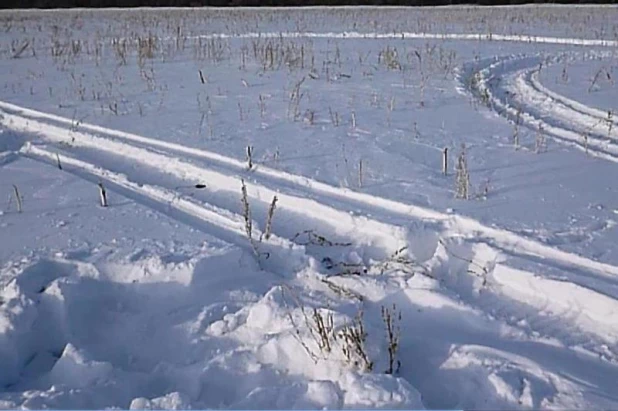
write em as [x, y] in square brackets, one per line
[167, 299]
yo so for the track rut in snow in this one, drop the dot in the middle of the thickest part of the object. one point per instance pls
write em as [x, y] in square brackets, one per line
[511, 86]
[460, 252]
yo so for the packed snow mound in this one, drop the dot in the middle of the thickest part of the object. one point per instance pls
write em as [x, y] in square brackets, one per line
[73, 370]
[196, 336]
[171, 401]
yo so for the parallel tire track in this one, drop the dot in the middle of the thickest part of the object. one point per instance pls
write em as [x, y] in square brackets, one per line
[217, 206]
[30, 121]
[511, 87]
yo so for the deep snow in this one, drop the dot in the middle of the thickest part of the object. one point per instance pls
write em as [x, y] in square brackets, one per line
[160, 300]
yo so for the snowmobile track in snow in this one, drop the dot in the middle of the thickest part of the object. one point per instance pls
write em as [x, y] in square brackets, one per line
[511, 87]
[112, 156]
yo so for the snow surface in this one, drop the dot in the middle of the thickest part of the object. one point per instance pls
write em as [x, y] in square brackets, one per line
[507, 300]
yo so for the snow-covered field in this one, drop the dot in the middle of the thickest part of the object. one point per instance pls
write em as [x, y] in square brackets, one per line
[371, 283]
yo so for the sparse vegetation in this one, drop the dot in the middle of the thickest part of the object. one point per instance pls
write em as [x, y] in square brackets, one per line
[18, 199]
[392, 319]
[462, 176]
[102, 195]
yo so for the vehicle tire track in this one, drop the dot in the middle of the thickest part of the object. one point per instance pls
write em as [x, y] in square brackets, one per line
[214, 208]
[510, 86]
[362, 203]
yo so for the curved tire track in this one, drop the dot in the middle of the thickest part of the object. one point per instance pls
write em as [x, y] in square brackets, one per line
[510, 86]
